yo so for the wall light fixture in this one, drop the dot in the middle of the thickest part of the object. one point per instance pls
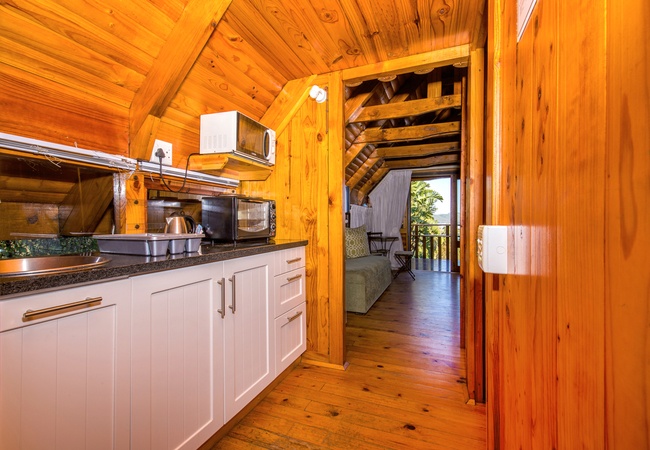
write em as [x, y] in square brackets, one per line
[318, 93]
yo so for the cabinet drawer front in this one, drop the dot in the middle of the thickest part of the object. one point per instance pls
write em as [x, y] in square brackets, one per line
[290, 337]
[37, 308]
[289, 290]
[289, 259]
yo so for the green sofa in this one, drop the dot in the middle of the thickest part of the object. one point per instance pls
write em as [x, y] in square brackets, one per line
[366, 278]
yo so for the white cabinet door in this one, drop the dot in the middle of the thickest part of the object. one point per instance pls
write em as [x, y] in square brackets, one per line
[64, 374]
[248, 330]
[177, 357]
[289, 290]
[290, 337]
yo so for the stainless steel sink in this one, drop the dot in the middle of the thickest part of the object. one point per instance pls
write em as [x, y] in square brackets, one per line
[39, 265]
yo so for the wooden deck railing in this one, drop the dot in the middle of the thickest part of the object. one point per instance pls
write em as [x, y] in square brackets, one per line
[431, 241]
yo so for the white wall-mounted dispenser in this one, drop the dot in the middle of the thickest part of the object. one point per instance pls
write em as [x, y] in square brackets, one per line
[494, 255]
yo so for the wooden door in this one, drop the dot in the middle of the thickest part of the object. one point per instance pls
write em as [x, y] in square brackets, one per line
[177, 358]
[64, 377]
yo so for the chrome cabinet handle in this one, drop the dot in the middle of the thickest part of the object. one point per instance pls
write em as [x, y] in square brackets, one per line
[222, 311]
[294, 317]
[60, 309]
[294, 278]
[234, 303]
[295, 260]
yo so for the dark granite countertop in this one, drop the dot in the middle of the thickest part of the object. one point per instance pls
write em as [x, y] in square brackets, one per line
[124, 266]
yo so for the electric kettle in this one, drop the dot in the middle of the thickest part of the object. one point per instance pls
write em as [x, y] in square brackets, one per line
[179, 223]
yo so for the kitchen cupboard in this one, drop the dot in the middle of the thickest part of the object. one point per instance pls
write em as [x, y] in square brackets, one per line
[290, 311]
[177, 358]
[64, 374]
[163, 361]
[249, 366]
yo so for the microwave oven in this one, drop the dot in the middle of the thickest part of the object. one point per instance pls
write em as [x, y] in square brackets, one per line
[233, 132]
[230, 218]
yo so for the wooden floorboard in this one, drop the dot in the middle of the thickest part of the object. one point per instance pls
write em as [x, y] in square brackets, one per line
[404, 387]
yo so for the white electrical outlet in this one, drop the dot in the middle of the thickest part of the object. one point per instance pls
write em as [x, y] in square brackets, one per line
[166, 147]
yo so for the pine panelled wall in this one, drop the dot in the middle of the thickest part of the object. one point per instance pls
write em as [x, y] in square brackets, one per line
[567, 156]
[307, 185]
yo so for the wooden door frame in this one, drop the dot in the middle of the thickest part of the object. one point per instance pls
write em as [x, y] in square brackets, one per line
[472, 192]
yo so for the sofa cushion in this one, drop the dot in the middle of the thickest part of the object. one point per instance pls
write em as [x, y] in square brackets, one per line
[356, 242]
[366, 279]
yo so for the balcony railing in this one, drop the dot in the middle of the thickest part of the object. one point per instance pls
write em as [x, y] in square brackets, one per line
[430, 243]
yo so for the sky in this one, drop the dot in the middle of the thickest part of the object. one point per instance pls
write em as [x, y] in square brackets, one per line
[441, 185]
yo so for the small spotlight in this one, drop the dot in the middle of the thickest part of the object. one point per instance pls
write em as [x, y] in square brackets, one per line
[317, 93]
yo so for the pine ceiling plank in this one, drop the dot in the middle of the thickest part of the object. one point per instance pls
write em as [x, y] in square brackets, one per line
[360, 29]
[422, 162]
[414, 132]
[135, 23]
[406, 109]
[226, 44]
[422, 61]
[64, 115]
[218, 72]
[49, 68]
[63, 60]
[304, 31]
[249, 23]
[333, 19]
[409, 151]
[385, 21]
[426, 13]
[55, 21]
[373, 181]
[174, 61]
[205, 86]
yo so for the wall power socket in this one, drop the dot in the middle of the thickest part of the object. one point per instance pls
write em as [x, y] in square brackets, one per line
[166, 148]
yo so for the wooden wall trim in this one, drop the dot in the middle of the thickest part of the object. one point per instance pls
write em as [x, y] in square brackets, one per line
[428, 60]
[627, 221]
[474, 207]
[336, 176]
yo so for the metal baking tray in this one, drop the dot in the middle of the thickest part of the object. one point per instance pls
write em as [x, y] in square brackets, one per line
[148, 244]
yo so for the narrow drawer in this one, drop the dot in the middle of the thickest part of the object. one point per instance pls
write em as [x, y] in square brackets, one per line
[290, 337]
[289, 290]
[289, 259]
[63, 303]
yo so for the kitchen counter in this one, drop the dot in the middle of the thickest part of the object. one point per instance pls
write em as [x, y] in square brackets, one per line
[124, 266]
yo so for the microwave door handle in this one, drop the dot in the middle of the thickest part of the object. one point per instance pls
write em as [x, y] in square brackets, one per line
[266, 143]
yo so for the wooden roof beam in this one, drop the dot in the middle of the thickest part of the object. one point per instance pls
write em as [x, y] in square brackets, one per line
[422, 162]
[421, 61]
[406, 109]
[176, 58]
[412, 133]
[417, 151]
[353, 104]
[352, 152]
[361, 172]
[435, 172]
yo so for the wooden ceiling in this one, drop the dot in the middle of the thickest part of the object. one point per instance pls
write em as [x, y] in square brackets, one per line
[410, 121]
[169, 61]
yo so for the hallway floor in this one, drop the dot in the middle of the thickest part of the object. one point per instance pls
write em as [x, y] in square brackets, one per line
[404, 387]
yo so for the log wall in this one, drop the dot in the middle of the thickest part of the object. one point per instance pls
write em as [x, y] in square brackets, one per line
[567, 168]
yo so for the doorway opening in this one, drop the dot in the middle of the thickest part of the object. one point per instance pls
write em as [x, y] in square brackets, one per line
[431, 224]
